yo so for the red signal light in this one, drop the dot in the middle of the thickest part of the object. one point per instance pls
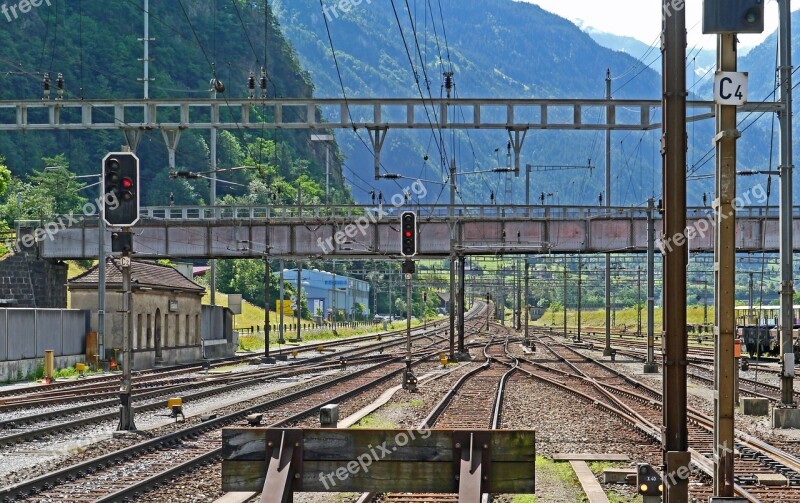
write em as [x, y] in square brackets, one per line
[127, 183]
[408, 234]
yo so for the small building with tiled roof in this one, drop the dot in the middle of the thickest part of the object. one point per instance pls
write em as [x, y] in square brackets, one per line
[166, 309]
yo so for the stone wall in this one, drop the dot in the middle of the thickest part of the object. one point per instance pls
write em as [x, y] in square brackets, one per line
[29, 281]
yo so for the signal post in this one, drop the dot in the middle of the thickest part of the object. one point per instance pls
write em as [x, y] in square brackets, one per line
[408, 249]
[121, 209]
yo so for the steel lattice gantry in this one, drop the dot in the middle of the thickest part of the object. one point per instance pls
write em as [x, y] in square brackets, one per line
[517, 116]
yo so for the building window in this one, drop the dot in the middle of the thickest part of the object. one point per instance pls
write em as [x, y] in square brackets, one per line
[178, 337]
[149, 331]
[197, 329]
[187, 330]
[140, 336]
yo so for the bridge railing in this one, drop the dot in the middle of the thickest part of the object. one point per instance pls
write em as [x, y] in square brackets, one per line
[350, 213]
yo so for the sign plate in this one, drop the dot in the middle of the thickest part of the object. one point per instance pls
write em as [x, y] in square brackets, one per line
[730, 88]
[125, 261]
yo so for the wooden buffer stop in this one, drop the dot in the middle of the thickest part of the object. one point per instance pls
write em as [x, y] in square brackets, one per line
[278, 462]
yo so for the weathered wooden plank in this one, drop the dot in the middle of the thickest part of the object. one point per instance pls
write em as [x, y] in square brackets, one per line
[380, 460]
[347, 445]
[394, 476]
[397, 445]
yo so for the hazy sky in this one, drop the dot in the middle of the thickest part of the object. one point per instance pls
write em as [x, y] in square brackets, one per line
[641, 19]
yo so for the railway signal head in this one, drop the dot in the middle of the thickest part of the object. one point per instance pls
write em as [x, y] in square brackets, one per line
[648, 481]
[408, 237]
[733, 16]
[488, 296]
[121, 189]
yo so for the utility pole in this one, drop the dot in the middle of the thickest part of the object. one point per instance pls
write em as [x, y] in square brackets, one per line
[650, 366]
[638, 302]
[565, 296]
[786, 414]
[609, 120]
[580, 280]
[452, 212]
[267, 276]
[461, 297]
[281, 327]
[101, 284]
[298, 312]
[675, 436]
[519, 294]
[126, 411]
[724, 282]
[212, 282]
[335, 311]
[527, 297]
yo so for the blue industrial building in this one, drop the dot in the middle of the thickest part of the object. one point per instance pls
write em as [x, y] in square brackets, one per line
[327, 292]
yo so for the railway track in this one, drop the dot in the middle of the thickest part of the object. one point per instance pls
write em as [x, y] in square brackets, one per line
[120, 475]
[641, 406]
[101, 385]
[704, 373]
[31, 427]
[467, 406]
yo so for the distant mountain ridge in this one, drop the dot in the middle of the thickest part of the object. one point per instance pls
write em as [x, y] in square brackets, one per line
[496, 48]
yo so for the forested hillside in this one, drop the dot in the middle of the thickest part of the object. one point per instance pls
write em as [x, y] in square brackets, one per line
[96, 46]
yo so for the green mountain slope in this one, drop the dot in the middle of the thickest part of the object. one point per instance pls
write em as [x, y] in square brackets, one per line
[95, 44]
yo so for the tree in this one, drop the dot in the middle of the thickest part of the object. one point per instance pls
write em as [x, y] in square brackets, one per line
[555, 307]
[400, 305]
[246, 277]
[358, 310]
[57, 185]
[5, 177]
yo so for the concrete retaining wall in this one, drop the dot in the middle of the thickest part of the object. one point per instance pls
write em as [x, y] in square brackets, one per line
[18, 369]
[27, 333]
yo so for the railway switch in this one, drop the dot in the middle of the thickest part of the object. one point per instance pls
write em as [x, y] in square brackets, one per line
[175, 405]
[648, 482]
[329, 415]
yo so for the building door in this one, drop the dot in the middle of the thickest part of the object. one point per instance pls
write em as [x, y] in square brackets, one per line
[158, 333]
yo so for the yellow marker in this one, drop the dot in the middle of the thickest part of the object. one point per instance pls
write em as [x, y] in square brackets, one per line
[80, 367]
[174, 402]
[294, 354]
